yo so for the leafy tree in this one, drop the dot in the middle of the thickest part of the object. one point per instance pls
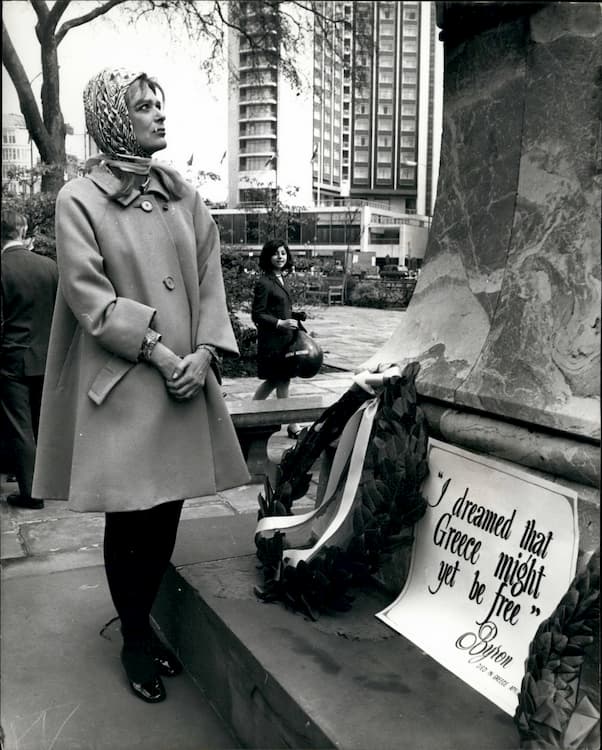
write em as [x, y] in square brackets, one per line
[257, 20]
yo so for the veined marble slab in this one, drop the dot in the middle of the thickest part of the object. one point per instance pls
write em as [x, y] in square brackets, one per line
[505, 317]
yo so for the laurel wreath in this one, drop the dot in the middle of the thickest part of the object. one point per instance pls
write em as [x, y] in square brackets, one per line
[557, 707]
[388, 506]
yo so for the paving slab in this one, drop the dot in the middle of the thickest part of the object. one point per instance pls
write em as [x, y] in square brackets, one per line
[52, 562]
[63, 687]
[204, 539]
[11, 545]
[207, 510]
[78, 531]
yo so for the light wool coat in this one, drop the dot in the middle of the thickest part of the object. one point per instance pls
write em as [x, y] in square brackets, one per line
[110, 436]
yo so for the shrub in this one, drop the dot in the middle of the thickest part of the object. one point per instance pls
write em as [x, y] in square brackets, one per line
[246, 338]
[376, 294]
[39, 210]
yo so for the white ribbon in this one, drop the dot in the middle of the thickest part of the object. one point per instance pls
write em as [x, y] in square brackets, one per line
[351, 451]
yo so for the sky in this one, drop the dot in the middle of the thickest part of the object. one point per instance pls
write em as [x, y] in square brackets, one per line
[196, 109]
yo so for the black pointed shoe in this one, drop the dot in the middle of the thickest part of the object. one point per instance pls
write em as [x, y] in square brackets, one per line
[142, 673]
[167, 663]
[150, 692]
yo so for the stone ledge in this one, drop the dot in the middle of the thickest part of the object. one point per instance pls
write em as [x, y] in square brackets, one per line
[282, 681]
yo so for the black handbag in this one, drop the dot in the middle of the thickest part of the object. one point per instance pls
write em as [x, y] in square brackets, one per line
[303, 358]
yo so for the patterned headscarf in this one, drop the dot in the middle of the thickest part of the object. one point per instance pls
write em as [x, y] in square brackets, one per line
[109, 124]
[107, 118]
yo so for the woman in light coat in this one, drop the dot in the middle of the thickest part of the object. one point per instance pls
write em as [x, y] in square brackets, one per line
[133, 420]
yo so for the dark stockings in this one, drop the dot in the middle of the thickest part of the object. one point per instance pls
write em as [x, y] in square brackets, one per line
[137, 549]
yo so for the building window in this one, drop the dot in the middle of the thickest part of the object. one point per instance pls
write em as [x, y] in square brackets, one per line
[384, 109]
[408, 141]
[360, 155]
[384, 141]
[383, 173]
[408, 109]
[385, 76]
[360, 173]
[254, 163]
[406, 173]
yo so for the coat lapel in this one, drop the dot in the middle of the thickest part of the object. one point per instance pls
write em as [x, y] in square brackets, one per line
[278, 285]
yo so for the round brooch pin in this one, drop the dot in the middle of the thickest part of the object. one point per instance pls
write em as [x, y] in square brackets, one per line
[146, 206]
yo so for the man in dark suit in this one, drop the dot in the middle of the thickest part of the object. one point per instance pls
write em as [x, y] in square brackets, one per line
[29, 284]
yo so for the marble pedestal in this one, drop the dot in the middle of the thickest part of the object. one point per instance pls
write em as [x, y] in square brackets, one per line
[505, 318]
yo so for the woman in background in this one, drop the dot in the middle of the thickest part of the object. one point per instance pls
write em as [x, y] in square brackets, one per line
[276, 322]
[133, 420]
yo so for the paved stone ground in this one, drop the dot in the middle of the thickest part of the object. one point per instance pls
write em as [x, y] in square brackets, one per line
[348, 335]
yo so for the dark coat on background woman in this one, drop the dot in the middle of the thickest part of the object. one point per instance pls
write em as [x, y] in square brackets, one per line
[111, 438]
[271, 303]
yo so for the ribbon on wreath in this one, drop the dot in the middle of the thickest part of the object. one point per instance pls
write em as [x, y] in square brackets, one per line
[331, 523]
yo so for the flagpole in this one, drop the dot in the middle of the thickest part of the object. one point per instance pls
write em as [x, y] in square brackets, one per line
[319, 173]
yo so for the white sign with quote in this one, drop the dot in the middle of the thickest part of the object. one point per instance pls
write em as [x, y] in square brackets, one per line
[494, 553]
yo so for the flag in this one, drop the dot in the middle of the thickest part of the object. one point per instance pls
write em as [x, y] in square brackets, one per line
[189, 162]
[270, 161]
[221, 161]
[315, 153]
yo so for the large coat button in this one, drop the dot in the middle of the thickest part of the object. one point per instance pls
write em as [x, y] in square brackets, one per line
[146, 206]
[169, 283]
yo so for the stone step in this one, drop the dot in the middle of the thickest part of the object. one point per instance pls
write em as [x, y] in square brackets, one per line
[282, 681]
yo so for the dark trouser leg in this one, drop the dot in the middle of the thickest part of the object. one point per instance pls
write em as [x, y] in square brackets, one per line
[137, 549]
[35, 385]
[15, 403]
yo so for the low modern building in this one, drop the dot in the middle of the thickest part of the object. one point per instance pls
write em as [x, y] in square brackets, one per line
[19, 156]
[362, 232]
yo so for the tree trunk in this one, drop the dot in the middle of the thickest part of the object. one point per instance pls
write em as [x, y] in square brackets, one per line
[55, 159]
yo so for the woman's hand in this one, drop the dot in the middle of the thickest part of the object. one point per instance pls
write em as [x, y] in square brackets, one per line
[164, 360]
[290, 324]
[190, 375]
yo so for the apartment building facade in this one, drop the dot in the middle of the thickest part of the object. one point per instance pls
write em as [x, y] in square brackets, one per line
[366, 125]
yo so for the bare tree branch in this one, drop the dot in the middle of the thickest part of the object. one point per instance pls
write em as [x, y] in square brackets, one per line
[80, 20]
[57, 11]
[41, 10]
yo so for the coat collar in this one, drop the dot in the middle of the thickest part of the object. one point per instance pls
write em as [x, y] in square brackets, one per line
[103, 178]
[14, 245]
